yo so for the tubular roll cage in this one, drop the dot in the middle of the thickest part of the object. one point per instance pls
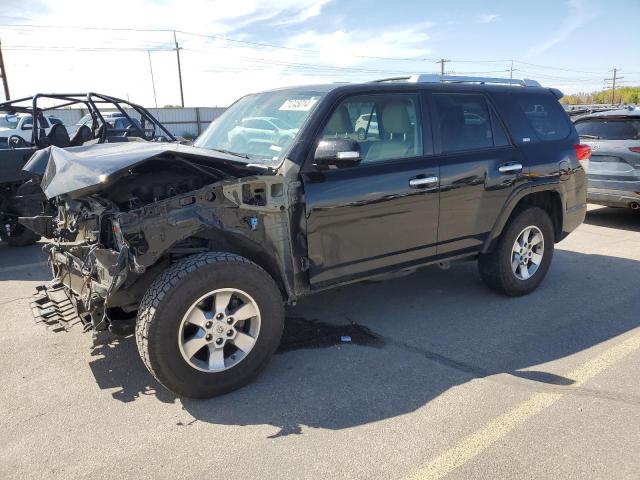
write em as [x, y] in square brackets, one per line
[90, 101]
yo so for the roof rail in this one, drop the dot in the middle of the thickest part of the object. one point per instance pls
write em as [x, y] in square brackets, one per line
[432, 78]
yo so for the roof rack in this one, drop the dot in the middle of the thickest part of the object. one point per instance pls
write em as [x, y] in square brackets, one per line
[432, 78]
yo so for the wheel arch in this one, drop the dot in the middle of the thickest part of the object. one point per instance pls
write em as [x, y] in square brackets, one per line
[545, 197]
[229, 242]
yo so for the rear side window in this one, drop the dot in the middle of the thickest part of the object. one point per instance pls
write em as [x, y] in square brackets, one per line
[609, 129]
[464, 122]
[545, 115]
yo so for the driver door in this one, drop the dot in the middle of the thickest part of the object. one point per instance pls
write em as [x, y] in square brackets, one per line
[381, 214]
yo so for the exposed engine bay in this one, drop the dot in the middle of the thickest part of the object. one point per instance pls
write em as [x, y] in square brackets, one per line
[112, 238]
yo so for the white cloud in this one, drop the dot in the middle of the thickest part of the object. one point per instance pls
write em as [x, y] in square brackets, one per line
[305, 12]
[215, 71]
[489, 18]
[352, 47]
[579, 13]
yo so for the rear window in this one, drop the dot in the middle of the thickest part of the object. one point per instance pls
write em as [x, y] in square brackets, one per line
[545, 115]
[609, 129]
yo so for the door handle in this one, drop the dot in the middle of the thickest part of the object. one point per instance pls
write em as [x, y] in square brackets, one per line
[422, 182]
[510, 168]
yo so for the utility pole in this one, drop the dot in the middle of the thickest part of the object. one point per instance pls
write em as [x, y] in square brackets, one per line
[442, 61]
[175, 39]
[613, 81]
[511, 70]
[153, 83]
[3, 73]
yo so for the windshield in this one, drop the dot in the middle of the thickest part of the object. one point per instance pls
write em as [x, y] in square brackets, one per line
[8, 121]
[610, 129]
[260, 127]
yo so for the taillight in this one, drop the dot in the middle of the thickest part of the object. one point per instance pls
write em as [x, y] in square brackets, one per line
[583, 152]
[635, 149]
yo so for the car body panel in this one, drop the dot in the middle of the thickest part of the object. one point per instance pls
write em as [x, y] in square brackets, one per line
[614, 169]
[310, 228]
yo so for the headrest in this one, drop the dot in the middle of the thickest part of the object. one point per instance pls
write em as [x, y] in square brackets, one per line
[395, 118]
[339, 122]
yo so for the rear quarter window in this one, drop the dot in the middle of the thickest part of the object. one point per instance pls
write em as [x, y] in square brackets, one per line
[609, 129]
[545, 115]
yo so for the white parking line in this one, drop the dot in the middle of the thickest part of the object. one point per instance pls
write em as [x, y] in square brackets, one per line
[479, 441]
[26, 266]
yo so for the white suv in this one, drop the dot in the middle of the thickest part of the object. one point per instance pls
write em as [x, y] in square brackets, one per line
[21, 125]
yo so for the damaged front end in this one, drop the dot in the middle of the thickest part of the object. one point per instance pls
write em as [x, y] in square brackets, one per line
[119, 229]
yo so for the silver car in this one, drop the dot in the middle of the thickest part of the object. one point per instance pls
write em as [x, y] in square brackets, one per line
[614, 169]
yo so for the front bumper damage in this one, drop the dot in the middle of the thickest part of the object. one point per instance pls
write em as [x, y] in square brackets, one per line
[80, 287]
[53, 307]
[105, 285]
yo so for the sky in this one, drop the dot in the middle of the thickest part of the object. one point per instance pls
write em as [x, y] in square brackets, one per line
[231, 48]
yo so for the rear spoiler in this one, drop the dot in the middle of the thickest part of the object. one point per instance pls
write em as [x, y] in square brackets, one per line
[557, 93]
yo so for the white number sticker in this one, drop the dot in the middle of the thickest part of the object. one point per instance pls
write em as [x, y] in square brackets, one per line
[298, 104]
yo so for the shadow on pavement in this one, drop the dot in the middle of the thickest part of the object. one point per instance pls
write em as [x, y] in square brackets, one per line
[23, 263]
[618, 218]
[440, 329]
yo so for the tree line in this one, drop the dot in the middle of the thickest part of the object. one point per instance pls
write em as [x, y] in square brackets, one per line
[622, 95]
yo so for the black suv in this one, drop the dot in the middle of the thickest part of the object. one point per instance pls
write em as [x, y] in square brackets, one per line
[196, 247]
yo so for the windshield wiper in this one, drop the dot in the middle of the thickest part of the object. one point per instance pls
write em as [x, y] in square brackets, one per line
[229, 152]
[594, 137]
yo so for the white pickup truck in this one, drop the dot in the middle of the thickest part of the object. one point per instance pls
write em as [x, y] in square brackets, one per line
[20, 125]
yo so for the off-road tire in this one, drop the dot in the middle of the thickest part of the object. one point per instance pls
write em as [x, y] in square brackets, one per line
[495, 266]
[22, 238]
[173, 292]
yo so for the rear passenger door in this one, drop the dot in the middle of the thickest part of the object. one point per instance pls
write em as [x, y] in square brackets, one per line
[479, 167]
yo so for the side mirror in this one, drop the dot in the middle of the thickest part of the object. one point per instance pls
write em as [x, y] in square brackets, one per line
[337, 152]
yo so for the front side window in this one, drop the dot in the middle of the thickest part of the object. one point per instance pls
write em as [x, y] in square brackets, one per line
[261, 127]
[27, 123]
[609, 129]
[545, 115]
[464, 122]
[386, 126]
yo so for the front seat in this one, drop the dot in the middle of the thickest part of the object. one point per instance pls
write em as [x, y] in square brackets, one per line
[58, 136]
[82, 135]
[398, 139]
[339, 125]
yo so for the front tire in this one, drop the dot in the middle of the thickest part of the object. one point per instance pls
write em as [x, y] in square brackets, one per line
[521, 258]
[209, 324]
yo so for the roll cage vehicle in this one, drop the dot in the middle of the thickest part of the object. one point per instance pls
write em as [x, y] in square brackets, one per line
[196, 249]
[19, 197]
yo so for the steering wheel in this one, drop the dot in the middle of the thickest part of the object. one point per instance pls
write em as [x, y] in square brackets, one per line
[16, 141]
[150, 132]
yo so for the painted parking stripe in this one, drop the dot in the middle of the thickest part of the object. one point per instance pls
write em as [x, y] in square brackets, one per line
[474, 444]
[26, 266]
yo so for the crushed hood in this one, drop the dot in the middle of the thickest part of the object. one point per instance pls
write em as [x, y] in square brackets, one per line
[84, 169]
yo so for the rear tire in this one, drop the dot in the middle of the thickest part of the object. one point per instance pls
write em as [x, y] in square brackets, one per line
[520, 260]
[185, 288]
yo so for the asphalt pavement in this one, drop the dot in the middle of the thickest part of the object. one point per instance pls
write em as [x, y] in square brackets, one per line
[442, 378]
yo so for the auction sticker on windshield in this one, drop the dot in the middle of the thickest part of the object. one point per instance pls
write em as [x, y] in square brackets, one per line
[299, 104]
